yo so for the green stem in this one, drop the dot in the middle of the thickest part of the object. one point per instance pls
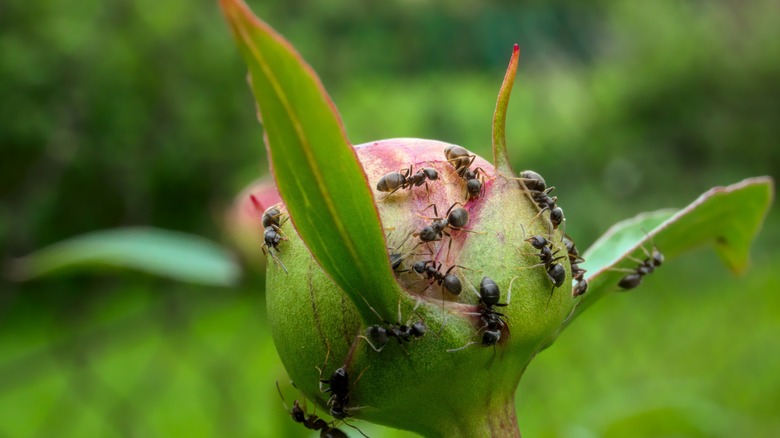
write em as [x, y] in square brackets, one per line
[496, 419]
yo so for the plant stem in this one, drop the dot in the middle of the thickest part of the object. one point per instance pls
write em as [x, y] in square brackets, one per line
[497, 419]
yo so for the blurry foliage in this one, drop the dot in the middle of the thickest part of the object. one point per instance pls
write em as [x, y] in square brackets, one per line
[136, 113]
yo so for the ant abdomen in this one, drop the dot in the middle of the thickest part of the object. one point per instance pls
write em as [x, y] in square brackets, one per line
[391, 181]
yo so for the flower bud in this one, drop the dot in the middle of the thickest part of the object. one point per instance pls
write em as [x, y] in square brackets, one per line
[449, 360]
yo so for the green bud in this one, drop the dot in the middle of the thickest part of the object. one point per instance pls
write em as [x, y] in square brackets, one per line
[444, 382]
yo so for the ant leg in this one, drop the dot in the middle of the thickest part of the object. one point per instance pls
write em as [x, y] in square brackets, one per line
[270, 251]
[435, 213]
[509, 293]
[372, 309]
[538, 214]
[552, 289]
[279, 230]
[451, 207]
[378, 350]
[282, 397]
[355, 427]
[533, 266]
[468, 344]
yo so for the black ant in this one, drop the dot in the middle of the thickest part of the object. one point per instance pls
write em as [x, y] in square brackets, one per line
[270, 216]
[311, 422]
[475, 182]
[533, 181]
[377, 335]
[556, 273]
[272, 235]
[338, 387]
[405, 179]
[577, 273]
[646, 266]
[449, 282]
[547, 202]
[396, 257]
[461, 159]
[492, 324]
[456, 219]
[541, 196]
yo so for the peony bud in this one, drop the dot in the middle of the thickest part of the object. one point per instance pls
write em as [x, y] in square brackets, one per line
[461, 374]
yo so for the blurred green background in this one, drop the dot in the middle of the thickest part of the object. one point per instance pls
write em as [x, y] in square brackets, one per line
[137, 113]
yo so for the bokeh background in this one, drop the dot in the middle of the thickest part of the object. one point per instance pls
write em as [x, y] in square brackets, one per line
[136, 112]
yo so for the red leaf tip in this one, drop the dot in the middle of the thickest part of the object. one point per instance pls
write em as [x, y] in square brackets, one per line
[256, 203]
[516, 48]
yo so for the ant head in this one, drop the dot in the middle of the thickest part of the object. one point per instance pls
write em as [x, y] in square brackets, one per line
[419, 266]
[430, 173]
[537, 242]
[658, 258]
[580, 288]
[271, 237]
[419, 328]
[297, 413]
[556, 216]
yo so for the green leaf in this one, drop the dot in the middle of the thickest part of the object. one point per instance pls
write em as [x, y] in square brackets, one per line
[179, 256]
[500, 155]
[317, 171]
[728, 218]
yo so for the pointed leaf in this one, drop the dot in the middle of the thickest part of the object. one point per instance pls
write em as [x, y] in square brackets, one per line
[500, 155]
[729, 218]
[316, 169]
[179, 256]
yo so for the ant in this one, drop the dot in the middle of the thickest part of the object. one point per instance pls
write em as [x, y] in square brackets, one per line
[577, 273]
[547, 202]
[380, 334]
[556, 273]
[405, 179]
[396, 257]
[541, 196]
[311, 422]
[272, 235]
[461, 159]
[533, 181]
[270, 216]
[338, 387]
[449, 282]
[492, 324]
[646, 266]
[456, 219]
[475, 182]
